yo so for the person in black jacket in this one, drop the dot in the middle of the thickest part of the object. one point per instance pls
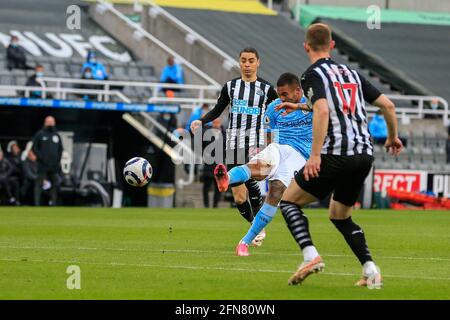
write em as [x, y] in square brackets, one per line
[15, 178]
[36, 81]
[48, 148]
[15, 56]
[5, 171]
[30, 175]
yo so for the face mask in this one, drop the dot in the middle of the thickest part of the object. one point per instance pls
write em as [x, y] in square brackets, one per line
[39, 74]
[50, 128]
[88, 74]
[13, 44]
[93, 60]
[166, 117]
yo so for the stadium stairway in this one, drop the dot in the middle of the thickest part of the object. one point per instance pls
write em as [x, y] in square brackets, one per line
[278, 39]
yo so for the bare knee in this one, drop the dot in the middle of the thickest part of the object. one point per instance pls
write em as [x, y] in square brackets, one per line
[259, 170]
[239, 194]
[339, 211]
[297, 195]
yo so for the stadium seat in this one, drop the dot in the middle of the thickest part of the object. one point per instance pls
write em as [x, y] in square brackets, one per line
[20, 80]
[6, 80]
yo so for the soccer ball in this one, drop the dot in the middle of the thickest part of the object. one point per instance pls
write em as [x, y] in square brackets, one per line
[137, 172]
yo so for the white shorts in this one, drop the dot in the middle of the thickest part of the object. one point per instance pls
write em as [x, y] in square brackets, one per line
[284, 160]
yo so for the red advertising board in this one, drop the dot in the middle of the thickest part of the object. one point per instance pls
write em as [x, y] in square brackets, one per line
[406, 180]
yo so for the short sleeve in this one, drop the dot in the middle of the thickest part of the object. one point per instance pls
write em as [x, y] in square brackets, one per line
[313, 87]
[271, 95]
[370, 93]
[270, 116]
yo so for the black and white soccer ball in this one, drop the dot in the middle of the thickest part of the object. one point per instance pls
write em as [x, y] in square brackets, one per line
[137, 172]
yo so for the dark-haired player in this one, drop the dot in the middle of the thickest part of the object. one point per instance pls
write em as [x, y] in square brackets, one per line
[247, 97]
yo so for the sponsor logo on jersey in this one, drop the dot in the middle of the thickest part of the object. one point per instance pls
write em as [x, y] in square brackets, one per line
[259, 92]
[240, 103]
[245, 110]
[295, 123]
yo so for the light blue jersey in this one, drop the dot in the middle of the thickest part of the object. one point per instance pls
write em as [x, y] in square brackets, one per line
[293, 129]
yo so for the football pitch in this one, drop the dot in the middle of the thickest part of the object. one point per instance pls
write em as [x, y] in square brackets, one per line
[169, 254]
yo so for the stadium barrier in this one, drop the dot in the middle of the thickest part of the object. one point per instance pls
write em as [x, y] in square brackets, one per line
[418, 112]
[200, 94]
[190, 96]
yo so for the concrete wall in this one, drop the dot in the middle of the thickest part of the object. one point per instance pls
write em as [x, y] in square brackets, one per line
[414, 5]
[143, 48]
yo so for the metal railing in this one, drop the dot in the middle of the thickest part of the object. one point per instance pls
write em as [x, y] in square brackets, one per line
[61, 93]
[420, 111]
[199, 93]
[102, 6]
[58, 86]
[156, 10]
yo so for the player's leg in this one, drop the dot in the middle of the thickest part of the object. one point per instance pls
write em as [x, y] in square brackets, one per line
[258, 168]
[242, 203]
[234, 159]
[291, 205]
[237, 177]
[300, 193]
[345, 196]
[263, 217]
[254, 194]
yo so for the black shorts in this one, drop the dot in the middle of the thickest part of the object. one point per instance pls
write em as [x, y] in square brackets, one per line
[342, 175]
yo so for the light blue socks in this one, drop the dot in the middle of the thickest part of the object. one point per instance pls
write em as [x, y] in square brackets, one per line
[239, 174]
[262, 219]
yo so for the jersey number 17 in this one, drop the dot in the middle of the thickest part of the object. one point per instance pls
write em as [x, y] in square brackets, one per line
[348, 105]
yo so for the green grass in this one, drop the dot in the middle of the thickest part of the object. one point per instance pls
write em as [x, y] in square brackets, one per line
[189, 254]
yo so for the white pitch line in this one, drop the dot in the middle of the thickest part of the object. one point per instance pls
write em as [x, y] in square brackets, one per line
[140, 265]
[212, 252]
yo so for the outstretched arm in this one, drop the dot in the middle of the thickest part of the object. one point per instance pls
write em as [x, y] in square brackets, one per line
[320, 127]
[214, 113]
[393, 144]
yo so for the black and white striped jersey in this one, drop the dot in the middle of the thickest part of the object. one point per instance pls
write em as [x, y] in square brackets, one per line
[346, 92]
[248, 101]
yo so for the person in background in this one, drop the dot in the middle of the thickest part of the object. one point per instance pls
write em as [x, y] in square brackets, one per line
[6, 169]
[16, 175]
[196, 115]
[172, 73]
[88, 75]
[30, 175]
[219, 135]
[378, 128]
[15, 56]
[36, 81]
[48, 148]
[98, 70]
